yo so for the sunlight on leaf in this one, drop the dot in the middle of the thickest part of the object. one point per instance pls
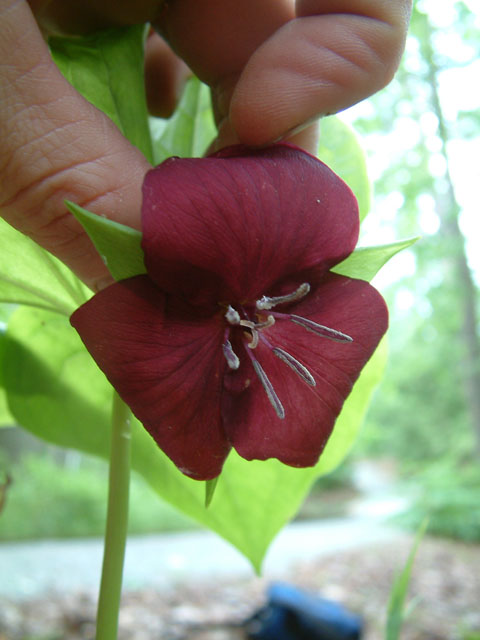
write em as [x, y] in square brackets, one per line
[366, 262]
[36, 278]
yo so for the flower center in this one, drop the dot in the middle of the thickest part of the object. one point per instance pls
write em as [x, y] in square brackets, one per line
[255, 324]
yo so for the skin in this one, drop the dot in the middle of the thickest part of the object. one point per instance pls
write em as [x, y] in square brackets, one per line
[274, 67]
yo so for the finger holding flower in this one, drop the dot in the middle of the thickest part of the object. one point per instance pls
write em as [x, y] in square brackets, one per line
[272, 65]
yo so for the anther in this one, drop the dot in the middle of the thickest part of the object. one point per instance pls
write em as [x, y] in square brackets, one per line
[320, 329]
[269, 390]
[231, 357]
[232, 316]
[266, 303]
[294, 364]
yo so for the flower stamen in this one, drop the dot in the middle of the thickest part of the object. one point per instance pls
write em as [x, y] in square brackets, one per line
[320, 329]
[266, 303]
[268, 387]
[294, 364]
[253, 334]
[232, 316]
[231, 357]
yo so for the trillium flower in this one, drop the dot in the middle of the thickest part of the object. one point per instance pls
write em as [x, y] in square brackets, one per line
[239, 335]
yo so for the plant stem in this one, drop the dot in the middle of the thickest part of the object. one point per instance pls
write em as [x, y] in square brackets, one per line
[117, 521]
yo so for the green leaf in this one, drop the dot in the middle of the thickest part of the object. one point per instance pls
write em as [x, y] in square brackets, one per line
[396, 606]
[52, 389]
[56, 391]
[340, 150]
[353, 413]
[107, 69]
[190, 130]
[118, 245]
[32, 276]
[210, 486]
[366, 262]
[6, 418]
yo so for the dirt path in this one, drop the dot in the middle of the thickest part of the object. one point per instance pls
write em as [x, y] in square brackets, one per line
[445, 585]
[157, 561]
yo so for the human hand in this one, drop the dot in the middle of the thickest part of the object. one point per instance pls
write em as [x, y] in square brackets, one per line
[273, 67]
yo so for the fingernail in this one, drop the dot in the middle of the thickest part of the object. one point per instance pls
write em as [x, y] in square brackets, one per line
[297, 129]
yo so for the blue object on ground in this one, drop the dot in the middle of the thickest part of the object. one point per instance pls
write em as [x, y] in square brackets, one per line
[293, 614]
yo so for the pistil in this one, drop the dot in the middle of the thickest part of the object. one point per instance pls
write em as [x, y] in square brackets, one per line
[255, 327]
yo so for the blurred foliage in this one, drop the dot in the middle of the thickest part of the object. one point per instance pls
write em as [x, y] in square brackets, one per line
[447, 494]
[73, 504]
[339, 478]
[421, 412]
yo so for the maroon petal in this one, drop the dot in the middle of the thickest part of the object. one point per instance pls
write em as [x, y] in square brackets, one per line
[350, 306]
[166, 367]
[230, 226]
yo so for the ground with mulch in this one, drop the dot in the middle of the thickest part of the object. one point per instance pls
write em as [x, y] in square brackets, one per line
[445, 592]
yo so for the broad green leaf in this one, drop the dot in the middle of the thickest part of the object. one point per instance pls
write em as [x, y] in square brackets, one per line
[52, 389]
[107, 69]
[365, 262]
[396, 606]
[56, 391]
[190, 130]
[30, 275]
[118, 245]
[354, 410]
[341, 151]
[6, 418]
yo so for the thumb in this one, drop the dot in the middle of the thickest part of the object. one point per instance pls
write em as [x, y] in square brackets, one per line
[317, 64]
[57, 146]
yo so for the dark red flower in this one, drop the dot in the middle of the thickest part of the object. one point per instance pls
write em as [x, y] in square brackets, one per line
[239, 335]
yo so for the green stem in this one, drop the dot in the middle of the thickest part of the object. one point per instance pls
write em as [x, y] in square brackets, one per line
[117, 521]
